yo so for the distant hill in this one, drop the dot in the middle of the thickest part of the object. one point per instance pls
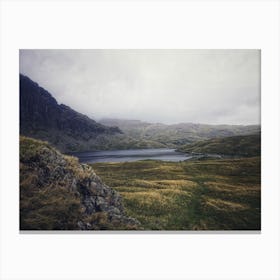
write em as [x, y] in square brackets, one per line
[180, 134]
[43, 118]
[246, 145]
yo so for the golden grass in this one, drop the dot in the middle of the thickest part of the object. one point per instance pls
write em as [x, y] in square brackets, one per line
[223, 205]
[194, 195]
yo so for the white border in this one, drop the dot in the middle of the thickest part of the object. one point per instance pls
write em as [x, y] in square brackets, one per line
[156, 24]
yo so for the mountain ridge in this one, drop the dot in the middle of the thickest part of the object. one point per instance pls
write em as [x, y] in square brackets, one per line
[43, 118]
[176, 135]
[108, 119]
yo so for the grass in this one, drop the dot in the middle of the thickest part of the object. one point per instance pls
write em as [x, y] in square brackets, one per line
[53, 189]
[46, 203]
[245, 146]
[191, 195]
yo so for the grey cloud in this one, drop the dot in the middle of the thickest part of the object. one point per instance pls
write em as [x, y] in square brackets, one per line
[169, 86]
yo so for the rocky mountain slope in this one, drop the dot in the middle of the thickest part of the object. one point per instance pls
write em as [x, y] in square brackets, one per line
[58, 193]
[43, 118]
[247, 146]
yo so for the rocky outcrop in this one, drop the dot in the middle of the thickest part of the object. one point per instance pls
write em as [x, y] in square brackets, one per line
[58, 193]
[43, 118]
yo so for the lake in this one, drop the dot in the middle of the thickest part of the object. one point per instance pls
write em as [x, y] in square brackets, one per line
[131, 155]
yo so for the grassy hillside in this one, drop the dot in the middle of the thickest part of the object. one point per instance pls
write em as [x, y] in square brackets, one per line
[140, 135]
[198, 195]
[58, 193]
[249, 145]
[177, 135]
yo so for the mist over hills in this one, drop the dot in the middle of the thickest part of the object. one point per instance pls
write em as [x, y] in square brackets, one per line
[178, 134]
[41, 117]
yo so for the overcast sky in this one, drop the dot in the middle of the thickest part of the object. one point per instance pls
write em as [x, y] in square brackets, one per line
[168, 86]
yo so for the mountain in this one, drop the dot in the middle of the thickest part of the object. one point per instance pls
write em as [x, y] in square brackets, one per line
[176, 135]
[246, 145]
[43, 118]
[58, 193]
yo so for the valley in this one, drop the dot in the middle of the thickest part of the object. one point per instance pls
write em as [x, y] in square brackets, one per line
[133, 175]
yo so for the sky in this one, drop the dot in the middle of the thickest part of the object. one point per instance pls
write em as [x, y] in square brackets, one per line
[167, 86]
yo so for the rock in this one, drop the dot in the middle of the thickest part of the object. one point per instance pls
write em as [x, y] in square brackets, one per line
[59, 193]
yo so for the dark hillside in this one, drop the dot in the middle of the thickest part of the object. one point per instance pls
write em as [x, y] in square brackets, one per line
[43, 118]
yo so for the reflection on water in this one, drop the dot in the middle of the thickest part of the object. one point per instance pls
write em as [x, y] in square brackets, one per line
[131, 155]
